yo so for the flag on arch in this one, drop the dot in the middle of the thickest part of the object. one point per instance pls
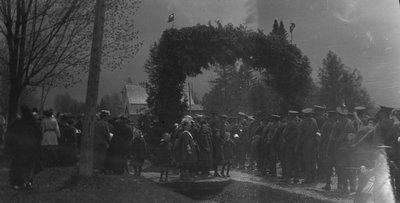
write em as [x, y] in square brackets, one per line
[171, 17]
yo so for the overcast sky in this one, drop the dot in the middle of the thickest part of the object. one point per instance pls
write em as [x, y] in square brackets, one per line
[364, 33]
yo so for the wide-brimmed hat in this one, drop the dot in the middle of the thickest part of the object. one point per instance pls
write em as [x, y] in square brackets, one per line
[319, 107]
[293, 112]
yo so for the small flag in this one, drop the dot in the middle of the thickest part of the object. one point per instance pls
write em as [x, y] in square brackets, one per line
[171, 17]
[292, 26]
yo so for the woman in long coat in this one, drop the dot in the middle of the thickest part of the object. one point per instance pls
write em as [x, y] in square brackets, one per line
[23, 140]
[188, 157]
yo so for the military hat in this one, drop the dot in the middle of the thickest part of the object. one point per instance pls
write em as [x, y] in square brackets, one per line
[319, 107]
[251, 117]
[223, 116]
[307, 110]
[386, 109]
[359, 108]
[242, 114]
[293, 112]
[275, 116]
[342, 110]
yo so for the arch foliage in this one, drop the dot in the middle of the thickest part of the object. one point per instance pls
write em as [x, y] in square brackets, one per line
[187, 51]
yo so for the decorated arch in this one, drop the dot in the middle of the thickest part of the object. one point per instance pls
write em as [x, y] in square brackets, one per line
[188, 51]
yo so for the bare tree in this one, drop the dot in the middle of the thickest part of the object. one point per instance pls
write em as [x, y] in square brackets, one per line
[49, 40]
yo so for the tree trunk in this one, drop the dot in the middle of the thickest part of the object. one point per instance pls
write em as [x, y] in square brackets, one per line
[13, 103]
[86, 158]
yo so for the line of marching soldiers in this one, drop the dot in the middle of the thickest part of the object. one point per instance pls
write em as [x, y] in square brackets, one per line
[308, 145]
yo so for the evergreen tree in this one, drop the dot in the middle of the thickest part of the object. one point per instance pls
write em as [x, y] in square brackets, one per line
[340, 84]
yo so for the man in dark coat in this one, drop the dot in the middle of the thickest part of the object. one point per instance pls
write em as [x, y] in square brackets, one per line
[289, 135]
[337, 147]
[101, 141]
[308, 139]
[67, 141]
[118, 152]
[23, 141]
[325, 157]
[270, 141]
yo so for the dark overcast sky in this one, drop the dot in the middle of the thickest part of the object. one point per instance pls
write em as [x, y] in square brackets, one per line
[364, 33]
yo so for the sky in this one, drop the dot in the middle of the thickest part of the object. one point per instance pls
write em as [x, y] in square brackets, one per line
[365, 34]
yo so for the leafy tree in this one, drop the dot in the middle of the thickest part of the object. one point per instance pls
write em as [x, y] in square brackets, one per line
[340, 84]
[49, 41]
[64, 103]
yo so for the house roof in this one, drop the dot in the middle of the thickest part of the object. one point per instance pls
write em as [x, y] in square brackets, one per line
[136, 94]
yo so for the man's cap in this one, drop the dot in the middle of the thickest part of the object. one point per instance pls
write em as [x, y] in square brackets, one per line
[319, 107]
[293, 112]
[223, 116]
[275, 116]
[307, 110]
[342, 110]
[359, 108]
[242, 114]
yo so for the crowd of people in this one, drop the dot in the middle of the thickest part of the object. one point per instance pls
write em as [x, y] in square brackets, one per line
[52, 140]
[308, 146]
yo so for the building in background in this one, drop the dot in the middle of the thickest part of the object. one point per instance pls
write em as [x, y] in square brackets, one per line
[134, 98]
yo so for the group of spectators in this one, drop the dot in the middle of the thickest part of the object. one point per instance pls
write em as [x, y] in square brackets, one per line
[38, 141]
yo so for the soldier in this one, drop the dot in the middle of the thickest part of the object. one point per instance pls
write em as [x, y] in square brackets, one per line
[289, 141]
[261, 145]
[359, 116]
[278, 143]
[307, 141]
[251, 133]
[319, 115]
[271, 142]
[325, 156]
[337, 141]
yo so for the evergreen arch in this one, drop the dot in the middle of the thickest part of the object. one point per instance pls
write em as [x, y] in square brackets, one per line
[188, 51]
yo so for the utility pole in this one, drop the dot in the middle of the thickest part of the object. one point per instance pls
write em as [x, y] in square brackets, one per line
[190, 100]
[92, 92]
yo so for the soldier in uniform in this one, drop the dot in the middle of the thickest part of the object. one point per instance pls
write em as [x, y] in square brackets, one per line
[308, 139]
[271, 143]
[337, 141]
[251, 133]
[325, 156]
[289, 142]
[320, 116]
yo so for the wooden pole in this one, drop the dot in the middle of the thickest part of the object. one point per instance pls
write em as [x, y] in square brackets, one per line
[190, 100]
[87, 145]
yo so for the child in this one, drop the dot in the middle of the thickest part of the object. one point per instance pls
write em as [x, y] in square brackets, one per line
[164, 156]
[228, 146]
[138, 152]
